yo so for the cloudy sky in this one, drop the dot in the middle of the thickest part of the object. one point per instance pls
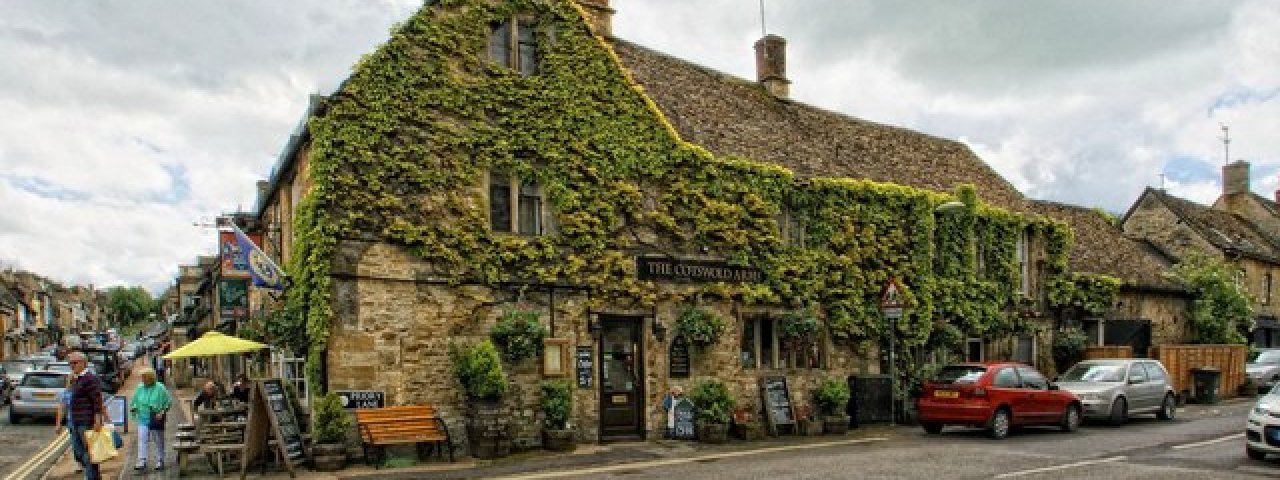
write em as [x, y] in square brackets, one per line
[127, 121]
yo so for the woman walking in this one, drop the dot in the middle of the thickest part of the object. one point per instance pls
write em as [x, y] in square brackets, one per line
[150, 403]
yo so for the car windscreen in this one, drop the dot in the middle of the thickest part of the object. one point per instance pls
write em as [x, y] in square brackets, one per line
[101, 360]
[1094, 372]
[44, 381]
[1269, 356]
[960, 374]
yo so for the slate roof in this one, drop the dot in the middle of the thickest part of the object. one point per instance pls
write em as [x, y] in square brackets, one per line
[1103, 248]
[733, 116]
[1225, 230]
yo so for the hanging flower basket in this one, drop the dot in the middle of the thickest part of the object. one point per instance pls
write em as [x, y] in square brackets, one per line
[699, 326]
[518, 335]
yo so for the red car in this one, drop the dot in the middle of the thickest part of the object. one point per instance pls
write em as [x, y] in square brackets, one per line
[995, 396]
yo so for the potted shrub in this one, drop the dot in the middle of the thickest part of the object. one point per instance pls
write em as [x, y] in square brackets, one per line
[699, 326]
[518, 335]
[557, 406]
[832, 397]
[713, 406]
[806, 424]
[478, 369]
[329, 451]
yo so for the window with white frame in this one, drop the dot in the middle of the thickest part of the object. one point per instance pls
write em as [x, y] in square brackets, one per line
[515, 205]
[762, 347]
[513, 44]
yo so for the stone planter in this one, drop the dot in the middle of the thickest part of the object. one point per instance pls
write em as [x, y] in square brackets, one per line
[748, 431]
[835, 424]
[713, 433]
[559, 440]
[329, 457]
[488, 430]
[805, 426]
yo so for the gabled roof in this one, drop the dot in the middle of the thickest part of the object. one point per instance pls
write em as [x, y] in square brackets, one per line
[1229, 232]
[1272, 207]
[733, 116]
[1102, 247]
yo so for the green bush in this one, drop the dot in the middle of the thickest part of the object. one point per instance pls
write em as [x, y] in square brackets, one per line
[832, 397]
[331, 421]
[518, 335]
[712, 402]
[699, 326]
[1068, 347]
[478, 369]
[557, 404]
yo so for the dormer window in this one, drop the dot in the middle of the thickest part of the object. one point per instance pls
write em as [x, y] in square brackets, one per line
[513, 44]
[515, 205]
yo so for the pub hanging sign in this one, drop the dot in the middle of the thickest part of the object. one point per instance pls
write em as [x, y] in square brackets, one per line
[694, 271]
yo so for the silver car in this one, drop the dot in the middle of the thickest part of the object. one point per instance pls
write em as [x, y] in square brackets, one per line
[1113, 389]
[1264, 369]
[37, 395]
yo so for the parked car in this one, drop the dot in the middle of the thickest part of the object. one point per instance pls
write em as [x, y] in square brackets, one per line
[1264, 368]
[14, 369]
[106, 364]
[37, 395]
[1262, 431]
[63, 367]
[1113, 389]
[996, 396]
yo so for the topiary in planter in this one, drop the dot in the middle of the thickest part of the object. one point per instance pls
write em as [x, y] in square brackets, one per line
[557, 406]
[832, 397]
[518, 335]
[478, 369]
[700, 326]
[713, 407]
[331, 424]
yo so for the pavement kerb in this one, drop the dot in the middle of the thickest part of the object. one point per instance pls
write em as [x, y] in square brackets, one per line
[50, 453]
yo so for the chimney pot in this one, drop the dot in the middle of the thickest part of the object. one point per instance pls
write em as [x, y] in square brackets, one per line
[1235, 177]
[601, 16]
[771, 65]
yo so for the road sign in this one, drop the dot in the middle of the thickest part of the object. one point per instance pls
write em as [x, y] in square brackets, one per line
[891, 295]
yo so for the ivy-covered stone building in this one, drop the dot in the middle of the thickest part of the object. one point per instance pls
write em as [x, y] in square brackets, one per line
[512, 159]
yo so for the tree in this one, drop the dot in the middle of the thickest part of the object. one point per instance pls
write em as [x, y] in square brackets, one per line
[1222, 310]
[128, 305]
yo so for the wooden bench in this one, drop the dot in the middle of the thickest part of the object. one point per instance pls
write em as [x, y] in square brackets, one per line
[416, 424]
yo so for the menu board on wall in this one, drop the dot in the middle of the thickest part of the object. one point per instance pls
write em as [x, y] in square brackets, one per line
[678, 360]
[777, 402]
[584, 362]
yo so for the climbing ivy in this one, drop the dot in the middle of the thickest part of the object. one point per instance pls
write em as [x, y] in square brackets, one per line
[402, 151]
[1092, 294]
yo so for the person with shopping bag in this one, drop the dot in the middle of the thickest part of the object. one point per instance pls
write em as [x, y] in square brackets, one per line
[87, 413]
[150, 405]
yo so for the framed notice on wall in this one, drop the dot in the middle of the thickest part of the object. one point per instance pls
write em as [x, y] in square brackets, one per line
[555, 357]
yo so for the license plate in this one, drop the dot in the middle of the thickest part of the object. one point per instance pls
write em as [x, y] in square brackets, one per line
[46, 396]
[946, 394]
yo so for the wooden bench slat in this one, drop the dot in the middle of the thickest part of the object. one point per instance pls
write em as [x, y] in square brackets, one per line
[400, 425]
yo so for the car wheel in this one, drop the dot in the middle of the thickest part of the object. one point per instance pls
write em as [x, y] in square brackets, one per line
[1071, 418]
[13, 417]
[1119, 411]
[932, 428]
[1168, 409]
[1255, 454]
[998, 426]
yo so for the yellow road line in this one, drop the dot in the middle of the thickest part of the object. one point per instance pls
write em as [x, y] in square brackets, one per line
[52, 449]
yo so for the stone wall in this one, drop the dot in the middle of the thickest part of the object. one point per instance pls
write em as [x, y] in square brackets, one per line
[394, 324]
[1167, 312]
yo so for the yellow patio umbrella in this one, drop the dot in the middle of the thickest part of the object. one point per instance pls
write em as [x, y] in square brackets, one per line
[215, 343]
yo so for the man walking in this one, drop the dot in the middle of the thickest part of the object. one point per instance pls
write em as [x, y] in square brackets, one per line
[87, 412]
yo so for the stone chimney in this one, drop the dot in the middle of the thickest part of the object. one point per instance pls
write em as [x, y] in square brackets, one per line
[1235, 177]
[600, 16]
[771, 65]
[263, 185]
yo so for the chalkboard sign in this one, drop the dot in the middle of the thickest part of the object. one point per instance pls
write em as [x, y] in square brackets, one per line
[777, 402]
[585, 363]
[271, 416]
[682, 424]
[352, 399]
[679, 358]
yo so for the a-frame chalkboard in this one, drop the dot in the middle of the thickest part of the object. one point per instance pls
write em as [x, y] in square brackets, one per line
[271, 416]
[778, 411]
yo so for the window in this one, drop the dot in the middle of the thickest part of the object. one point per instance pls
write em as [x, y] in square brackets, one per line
[526, 196]
[1006, 378]
[792, 228]
[973, 350]
[762, 348]
[1024, 264]
[960, 374]
[1266, 289]
[1154, 372]
[1025, 349]
[1032, 379]
[1137, 374]
[513, 44]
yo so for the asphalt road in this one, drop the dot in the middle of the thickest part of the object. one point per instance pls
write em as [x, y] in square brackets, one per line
[1204, 442]
[19, 442]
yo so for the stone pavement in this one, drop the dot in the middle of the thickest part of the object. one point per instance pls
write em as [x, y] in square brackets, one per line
[67, 469]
